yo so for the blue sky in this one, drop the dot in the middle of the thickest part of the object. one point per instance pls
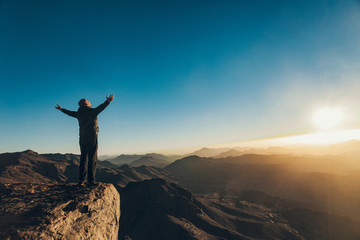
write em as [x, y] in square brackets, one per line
[184, 73]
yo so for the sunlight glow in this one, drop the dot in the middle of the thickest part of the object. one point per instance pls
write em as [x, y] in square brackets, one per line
[321, 138]
[328, 118]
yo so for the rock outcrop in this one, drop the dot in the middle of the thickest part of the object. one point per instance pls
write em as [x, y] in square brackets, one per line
[59, 211]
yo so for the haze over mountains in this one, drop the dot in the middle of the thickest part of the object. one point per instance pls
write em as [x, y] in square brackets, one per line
[221, 194]
[349, 149]
[327, 184]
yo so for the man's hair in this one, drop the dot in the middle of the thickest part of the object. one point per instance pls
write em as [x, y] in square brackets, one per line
[82, 102]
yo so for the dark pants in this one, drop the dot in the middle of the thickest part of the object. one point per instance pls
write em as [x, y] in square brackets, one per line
[88, 158]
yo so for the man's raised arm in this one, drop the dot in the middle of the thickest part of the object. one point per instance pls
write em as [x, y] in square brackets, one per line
[102, 106]
[70, 113]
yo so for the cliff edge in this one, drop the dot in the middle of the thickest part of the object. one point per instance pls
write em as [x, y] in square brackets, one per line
[59, 211]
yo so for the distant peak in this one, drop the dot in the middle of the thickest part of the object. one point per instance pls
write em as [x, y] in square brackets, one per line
[205, 148]
[192, 157]
[30, 152]
[126, 167]
[147, 157]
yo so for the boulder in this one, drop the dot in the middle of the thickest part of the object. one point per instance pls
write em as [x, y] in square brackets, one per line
[59, 211]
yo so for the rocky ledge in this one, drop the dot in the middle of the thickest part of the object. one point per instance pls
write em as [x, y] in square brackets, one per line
[59, 211]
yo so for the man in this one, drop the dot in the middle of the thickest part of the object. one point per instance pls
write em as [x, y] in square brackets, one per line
[89, 129]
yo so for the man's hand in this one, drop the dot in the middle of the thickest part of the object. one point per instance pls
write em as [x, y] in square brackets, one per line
[109, 98]
[58, 107]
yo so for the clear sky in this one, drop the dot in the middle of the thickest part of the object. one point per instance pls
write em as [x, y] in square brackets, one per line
[184, 73]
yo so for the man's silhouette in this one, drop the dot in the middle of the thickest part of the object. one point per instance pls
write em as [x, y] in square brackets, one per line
[89, 129]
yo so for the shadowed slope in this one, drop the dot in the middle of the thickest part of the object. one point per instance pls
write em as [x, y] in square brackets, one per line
[156, 209]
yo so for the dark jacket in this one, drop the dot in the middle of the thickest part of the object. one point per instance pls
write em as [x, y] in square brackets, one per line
[87, 118]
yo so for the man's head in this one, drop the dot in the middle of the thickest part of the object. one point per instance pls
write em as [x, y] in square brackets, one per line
[84, 103]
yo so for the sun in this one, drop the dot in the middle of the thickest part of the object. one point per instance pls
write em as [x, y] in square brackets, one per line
[328, 118]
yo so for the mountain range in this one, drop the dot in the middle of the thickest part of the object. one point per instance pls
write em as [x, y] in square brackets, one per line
[149, 159]
[348, 149]
[326, 183]
[251, 196]
[29, 166]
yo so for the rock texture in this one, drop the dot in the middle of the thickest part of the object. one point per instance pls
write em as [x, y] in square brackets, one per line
[59, 211]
